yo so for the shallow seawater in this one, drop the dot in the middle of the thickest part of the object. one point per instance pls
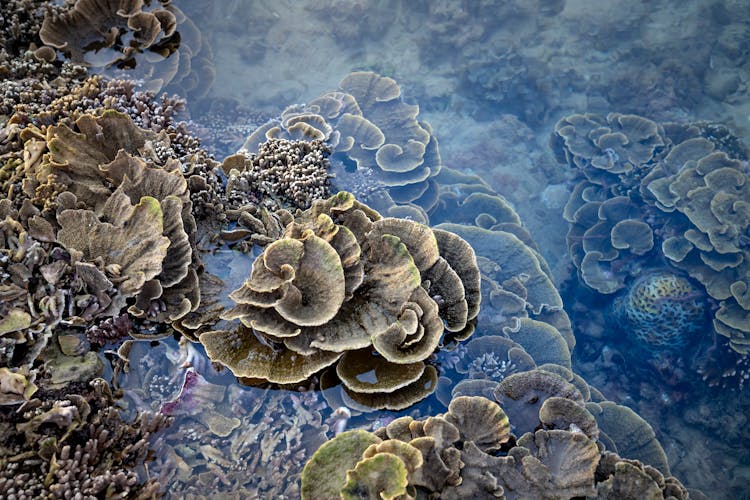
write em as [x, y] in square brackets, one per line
[492, 79]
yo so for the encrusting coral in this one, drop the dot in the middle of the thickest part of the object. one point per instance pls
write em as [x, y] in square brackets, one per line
[469, 452]
[344, 285]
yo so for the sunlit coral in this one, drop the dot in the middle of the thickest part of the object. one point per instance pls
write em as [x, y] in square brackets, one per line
[340, 280]
[459, 458]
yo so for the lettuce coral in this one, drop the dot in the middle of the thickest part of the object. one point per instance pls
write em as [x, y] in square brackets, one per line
[153, 40]
[97, 222]
[368, 126]
[469, 452]
[344, 285]
[668, 191]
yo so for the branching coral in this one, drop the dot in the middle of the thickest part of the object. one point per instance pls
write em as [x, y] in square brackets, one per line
[77, 445]
[345, 285]
[293, 173]
[225, 439]
[370, 129]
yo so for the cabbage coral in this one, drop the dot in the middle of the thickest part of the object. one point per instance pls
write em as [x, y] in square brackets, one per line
[345, 285]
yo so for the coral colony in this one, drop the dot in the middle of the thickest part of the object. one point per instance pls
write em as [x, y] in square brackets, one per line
[330, 311]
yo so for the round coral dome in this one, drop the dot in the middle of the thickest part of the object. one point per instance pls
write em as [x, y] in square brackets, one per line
[661, 311]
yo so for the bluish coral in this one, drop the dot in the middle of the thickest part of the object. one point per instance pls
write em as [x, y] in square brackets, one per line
[661, 311]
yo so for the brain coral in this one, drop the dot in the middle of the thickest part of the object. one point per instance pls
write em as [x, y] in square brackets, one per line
[344, 285]
[662, 310]
[684, 187]
[371, 131]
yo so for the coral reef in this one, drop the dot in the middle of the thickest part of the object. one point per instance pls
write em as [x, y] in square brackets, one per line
[77, 445]
[342, 284]
[470, 452]
[225, 439]
[292, 173]
[80, 187]
[75, 98]
[351, 21]
[519, 285]
[97, 93]
[369, 128]
[30, 76]
[21, 21]
[119, 193]
[552, 395]
[148, 40]
[223, 124]
[684, 187]
[107, 201]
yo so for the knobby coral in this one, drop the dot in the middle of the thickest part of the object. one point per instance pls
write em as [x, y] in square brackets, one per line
[662, 310]
[345, 286]
[371, 131]
[293, 173]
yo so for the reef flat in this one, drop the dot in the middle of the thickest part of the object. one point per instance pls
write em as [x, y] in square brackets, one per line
[374, 249]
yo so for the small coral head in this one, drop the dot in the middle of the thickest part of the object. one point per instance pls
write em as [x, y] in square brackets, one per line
[662, 311]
